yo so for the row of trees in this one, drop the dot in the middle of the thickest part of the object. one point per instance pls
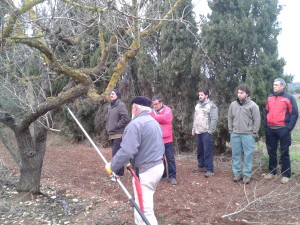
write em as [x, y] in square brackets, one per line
[76, 52]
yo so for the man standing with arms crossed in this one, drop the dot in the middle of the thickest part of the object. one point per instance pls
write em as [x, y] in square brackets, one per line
[280, 116]
[205, 123]
[163, 115]
[243, 126]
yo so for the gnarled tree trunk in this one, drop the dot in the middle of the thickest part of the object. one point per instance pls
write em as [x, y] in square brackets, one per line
[32, 150]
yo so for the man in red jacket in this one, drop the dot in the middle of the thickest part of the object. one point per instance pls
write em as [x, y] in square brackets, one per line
[163, 115]
[280, 117]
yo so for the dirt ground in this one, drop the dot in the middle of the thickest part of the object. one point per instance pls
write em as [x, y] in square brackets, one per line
[74, 173]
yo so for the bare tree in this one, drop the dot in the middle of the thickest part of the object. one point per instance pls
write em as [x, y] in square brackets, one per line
[45, 44]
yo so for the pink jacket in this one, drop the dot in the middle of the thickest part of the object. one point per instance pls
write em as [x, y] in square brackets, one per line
[164, 118]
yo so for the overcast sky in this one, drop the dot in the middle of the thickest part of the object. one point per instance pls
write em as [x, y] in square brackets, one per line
[288, 40]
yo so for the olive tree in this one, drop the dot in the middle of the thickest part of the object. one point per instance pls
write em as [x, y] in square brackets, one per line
[52, 52]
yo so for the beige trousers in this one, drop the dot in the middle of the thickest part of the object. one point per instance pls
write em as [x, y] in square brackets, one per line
[149, 181]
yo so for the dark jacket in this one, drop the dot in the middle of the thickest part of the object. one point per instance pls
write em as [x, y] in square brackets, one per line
[281, 110]
[117, 118]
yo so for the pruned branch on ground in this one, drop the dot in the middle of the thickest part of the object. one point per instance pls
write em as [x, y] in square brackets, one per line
[259, 201]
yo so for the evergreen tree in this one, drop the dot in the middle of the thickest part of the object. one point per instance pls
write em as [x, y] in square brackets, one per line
[239, 45]
[165, 63]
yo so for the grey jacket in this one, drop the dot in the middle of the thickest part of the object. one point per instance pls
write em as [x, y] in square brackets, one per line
[117, 118]
[142, 143]
[244, 118]
[205, 118]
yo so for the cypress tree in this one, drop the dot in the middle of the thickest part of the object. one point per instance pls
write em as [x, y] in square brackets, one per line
[238, 45]
[165, 62]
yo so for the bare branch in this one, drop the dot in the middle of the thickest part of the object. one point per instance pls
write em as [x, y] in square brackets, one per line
[52, 103]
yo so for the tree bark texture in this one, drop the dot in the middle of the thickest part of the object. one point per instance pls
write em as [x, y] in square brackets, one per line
[32, 155]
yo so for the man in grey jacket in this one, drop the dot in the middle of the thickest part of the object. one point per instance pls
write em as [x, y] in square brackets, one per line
[243, 126]
[205, 123]
[116, 120]
[143, 147]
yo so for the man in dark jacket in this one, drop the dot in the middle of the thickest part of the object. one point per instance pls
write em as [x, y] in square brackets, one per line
[280, 117]
[116, 121]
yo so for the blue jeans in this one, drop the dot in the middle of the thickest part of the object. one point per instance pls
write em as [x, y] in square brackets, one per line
[242, 143]
[205, 151]
[116, 145]
[169, 153]
[282, 135]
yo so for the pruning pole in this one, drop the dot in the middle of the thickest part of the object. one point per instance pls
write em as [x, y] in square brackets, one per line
[105, 161]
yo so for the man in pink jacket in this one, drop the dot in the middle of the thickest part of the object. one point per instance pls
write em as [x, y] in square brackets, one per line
[163, 115]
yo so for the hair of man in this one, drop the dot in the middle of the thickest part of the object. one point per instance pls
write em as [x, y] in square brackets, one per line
[158, 98]
[281, 81]
[244, 88]
[205, 91]
[143, 108]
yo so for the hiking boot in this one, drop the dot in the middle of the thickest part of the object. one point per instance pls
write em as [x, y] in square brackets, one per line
[246, 179]
[270, 176]
[199, 170]
[237, 178]
[173, 181]
[284, 180]
[208, 174]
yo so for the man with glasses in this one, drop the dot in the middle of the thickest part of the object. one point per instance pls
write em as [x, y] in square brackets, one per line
[163, 115]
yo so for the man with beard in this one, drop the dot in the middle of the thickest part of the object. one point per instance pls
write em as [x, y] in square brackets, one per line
[205, 123]
[243, 126]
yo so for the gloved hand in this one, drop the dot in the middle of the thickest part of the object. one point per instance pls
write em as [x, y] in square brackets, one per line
[128, 166]
[108, 169]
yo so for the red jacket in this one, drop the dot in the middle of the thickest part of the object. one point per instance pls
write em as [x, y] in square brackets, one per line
[281, 110]
[164, 117]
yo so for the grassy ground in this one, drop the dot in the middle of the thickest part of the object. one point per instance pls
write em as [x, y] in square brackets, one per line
[295, 147]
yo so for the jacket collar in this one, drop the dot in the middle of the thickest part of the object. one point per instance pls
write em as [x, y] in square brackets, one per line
[203, 103]
[247, 100]
[279, 94]
[114, 103]
[143, 113]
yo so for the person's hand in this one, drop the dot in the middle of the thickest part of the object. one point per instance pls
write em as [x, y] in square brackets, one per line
[128, 166]
[108, 169]
[193, 133]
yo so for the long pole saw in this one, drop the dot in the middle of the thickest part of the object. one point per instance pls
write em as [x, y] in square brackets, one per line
[105, 161]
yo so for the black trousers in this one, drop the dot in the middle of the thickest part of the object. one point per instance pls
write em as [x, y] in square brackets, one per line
[115, 148]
